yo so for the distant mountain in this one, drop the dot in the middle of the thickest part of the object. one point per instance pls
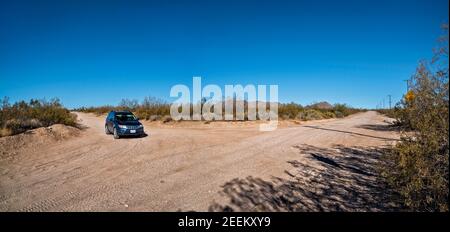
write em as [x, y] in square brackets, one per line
[321, 105]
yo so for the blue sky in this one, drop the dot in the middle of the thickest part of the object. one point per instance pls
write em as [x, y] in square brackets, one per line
[90, 53]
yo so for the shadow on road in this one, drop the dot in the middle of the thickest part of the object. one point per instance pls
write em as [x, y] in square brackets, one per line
[338, 179]
[134, 136]
[352, 133]
[378, 127]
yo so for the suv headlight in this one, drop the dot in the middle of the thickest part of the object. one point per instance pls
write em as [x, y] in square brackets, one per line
[140, 126]
[122, 127]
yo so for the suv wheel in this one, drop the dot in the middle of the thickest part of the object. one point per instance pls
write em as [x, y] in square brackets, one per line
[107, 130]
[116, 135]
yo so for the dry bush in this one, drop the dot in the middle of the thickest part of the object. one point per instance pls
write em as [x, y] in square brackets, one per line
[328, 115]
[322, 110]
[166, 119]
[289, 110]
[99, 110]
[342, 110]
[155, 109]
[152, 108]
[418, 166]
[310, 114]
[149, 109]
[23, 116]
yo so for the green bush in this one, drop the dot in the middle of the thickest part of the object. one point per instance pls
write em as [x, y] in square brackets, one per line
[342, 110]
[322, 110]
[155, 109]
[149, 109]
[152, 108]
[329, 114]
[23, 116]
[310, 114]
[99, 110]
[289, 110]
[417, 167]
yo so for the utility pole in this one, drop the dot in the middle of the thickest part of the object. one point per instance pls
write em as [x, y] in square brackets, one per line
[389, 101]
[407, 84]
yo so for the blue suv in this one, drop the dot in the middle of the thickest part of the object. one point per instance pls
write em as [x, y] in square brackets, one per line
[123, 123]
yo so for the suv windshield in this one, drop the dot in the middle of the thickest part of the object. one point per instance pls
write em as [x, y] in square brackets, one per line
[125, 117]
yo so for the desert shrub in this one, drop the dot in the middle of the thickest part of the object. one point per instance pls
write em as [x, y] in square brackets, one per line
[417, 166]
[127, 104]
[149, 109]
[342, 110]
[310, 114]
[152, 108]
[321, 110]
[166, 119]
[328, 114]
[289, 110]
[99, 110]
[156, 109]
[154, 118]
[22, 116]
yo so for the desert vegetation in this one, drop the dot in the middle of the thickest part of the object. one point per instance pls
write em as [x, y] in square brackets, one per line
[149, 109]
[21, 116]
[321, 110]
[155, 109]
[417, 166]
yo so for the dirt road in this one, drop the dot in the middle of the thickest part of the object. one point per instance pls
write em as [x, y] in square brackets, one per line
[316, 166]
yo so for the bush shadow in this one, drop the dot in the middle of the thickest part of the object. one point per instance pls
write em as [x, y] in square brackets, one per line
[336, 179]
[378, 127]
[352, 133]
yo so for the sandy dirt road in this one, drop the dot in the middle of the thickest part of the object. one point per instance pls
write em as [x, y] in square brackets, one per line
[316, 166]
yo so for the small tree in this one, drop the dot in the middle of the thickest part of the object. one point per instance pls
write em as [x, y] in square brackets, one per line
[418, 166]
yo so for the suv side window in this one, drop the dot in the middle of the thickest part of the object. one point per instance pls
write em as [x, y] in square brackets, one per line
[110, 116]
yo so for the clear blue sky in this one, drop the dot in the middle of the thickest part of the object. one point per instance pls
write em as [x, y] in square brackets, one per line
[98, 52]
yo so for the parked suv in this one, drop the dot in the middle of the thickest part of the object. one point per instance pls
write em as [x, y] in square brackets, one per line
[123, 123]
